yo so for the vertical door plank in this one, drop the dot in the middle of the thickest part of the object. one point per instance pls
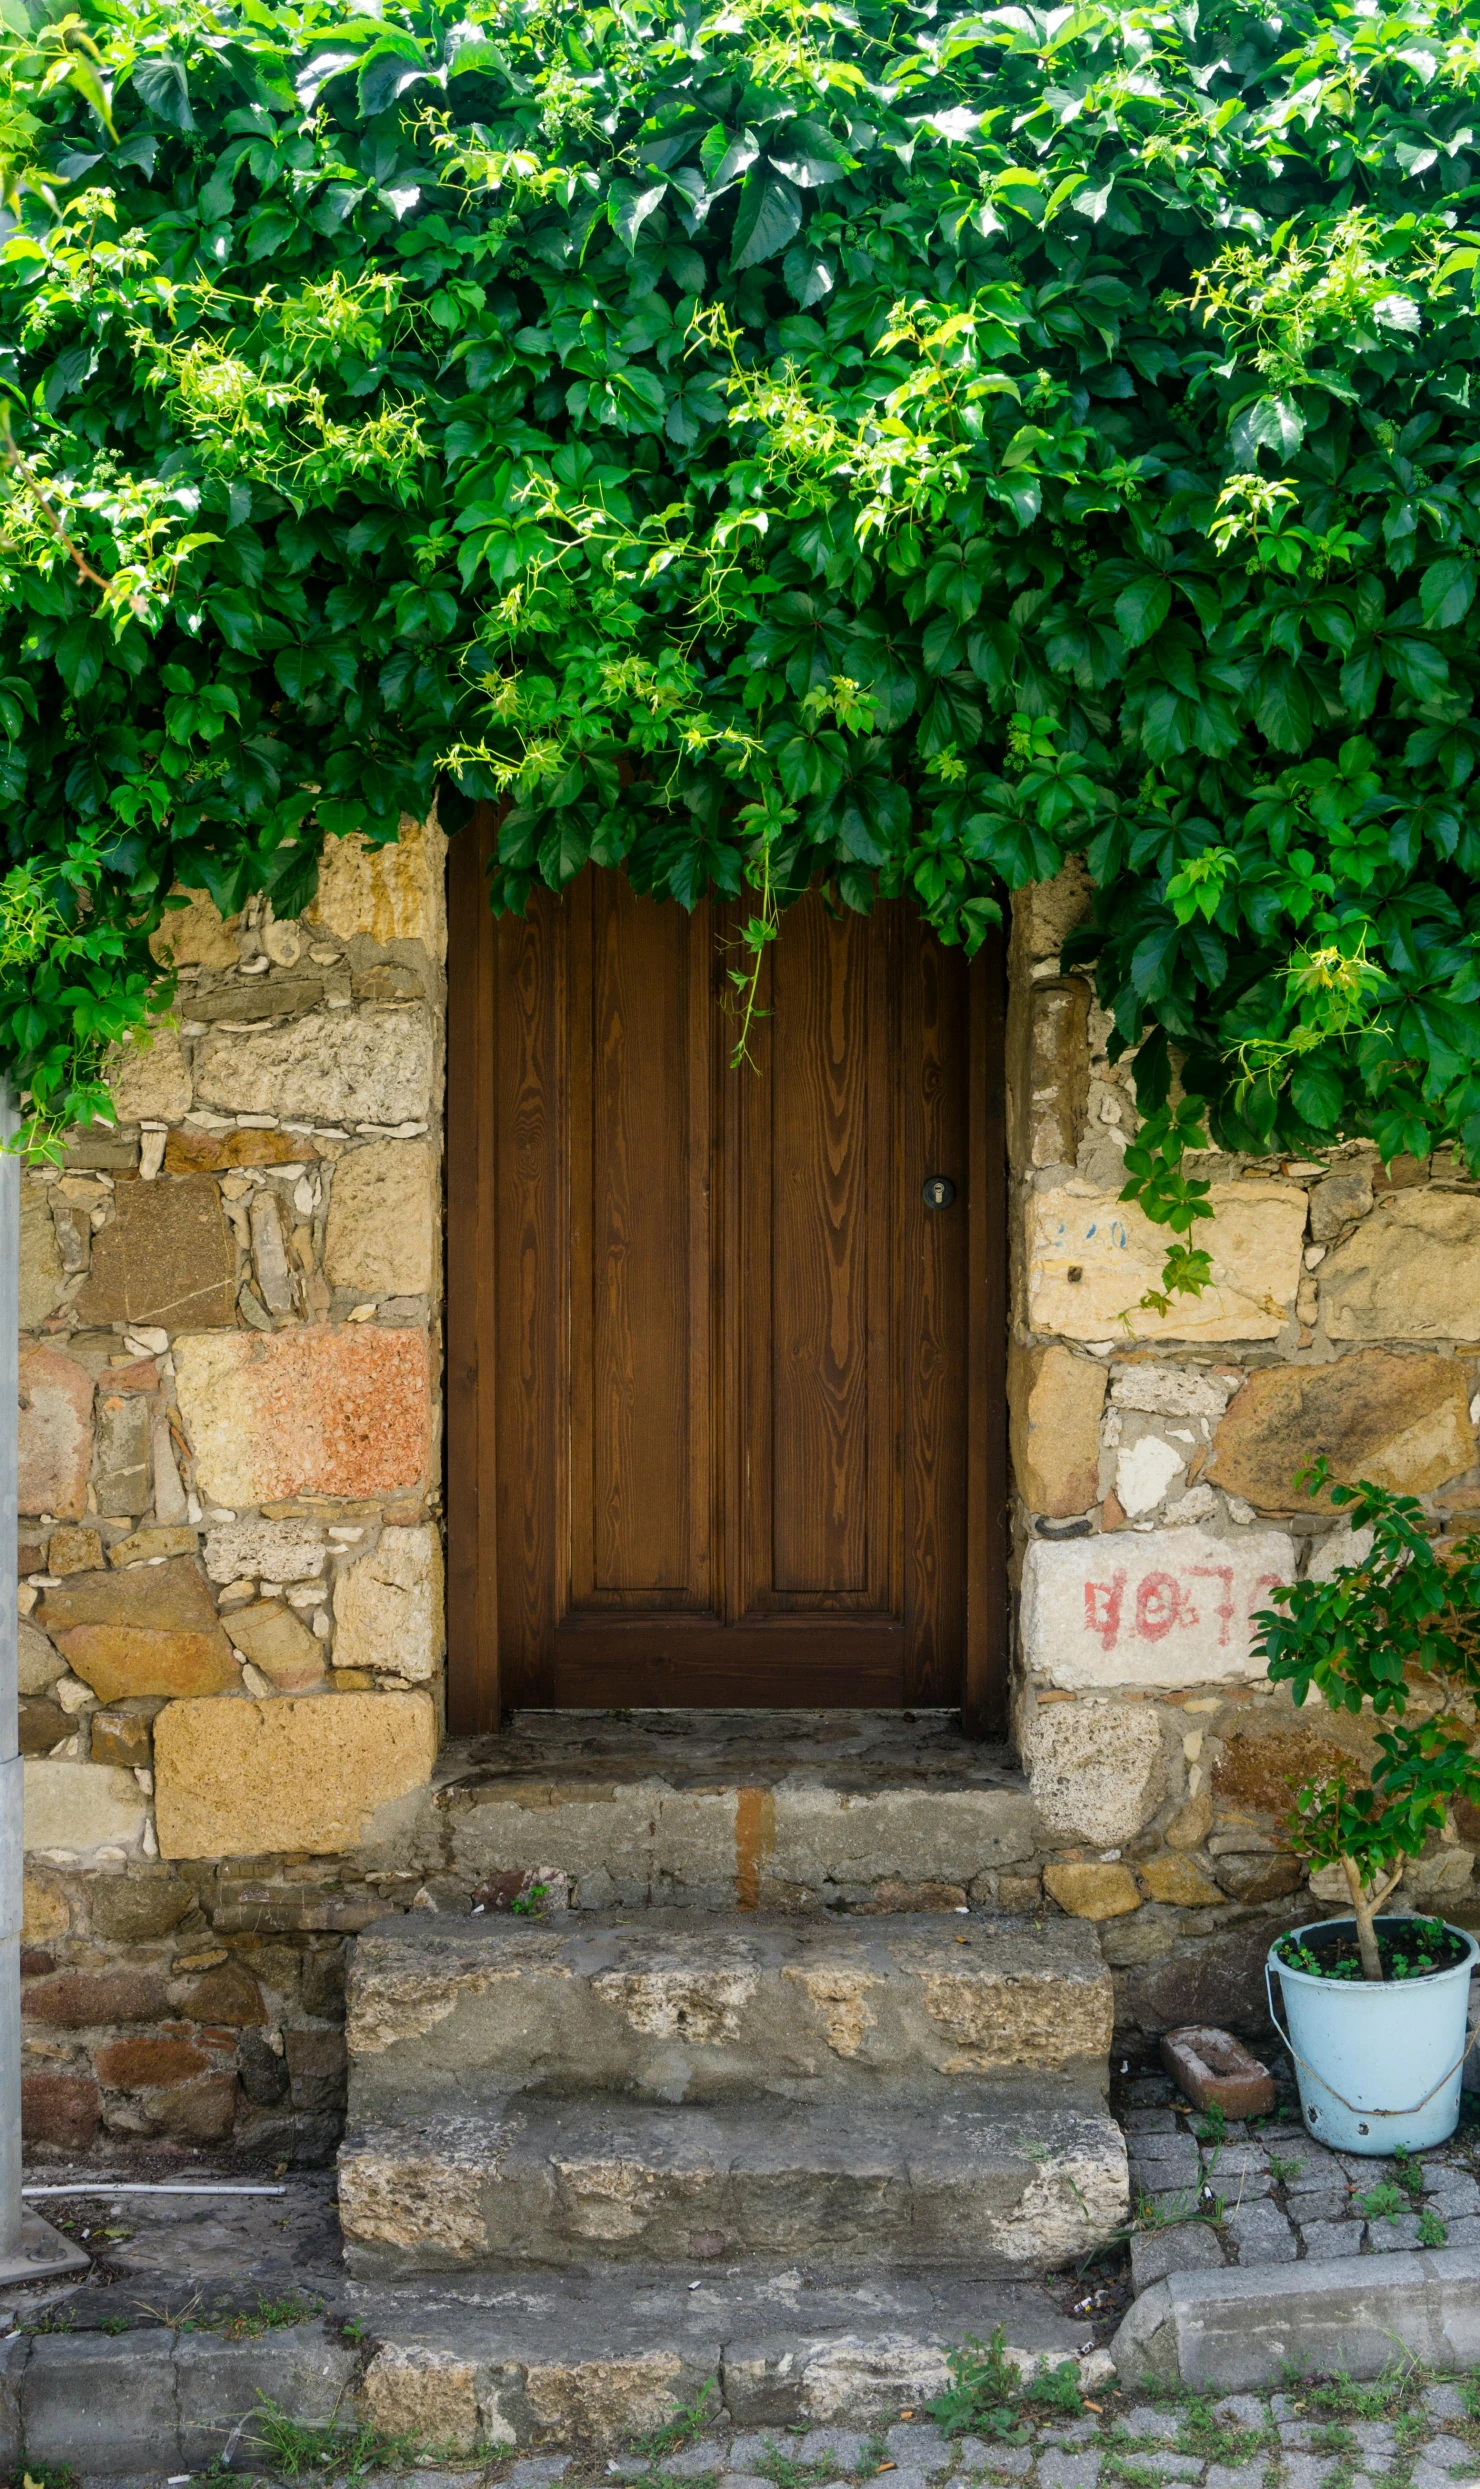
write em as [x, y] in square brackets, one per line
[472, 1137]
[932, 1067]
[985, 1656]
[533, 1443]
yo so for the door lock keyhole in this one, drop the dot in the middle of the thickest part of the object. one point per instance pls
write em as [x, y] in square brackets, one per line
[938, 1192]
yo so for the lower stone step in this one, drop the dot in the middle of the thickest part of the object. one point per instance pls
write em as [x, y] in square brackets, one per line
[1019, 2186]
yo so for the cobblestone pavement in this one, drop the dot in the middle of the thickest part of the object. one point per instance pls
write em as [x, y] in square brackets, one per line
[1406, 2432]
[1209, 2195]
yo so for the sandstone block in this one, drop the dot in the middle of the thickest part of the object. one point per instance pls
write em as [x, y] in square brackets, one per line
[122, 1737]
[149, 1078]
[1262, 1769]
[81, 1807]
[320, 1411]
[166, 1260]
[56, 1396]
[1093, 1892]
[40, 1726]
[120, 1476]
[1403, 1422]
[201, 2112]
[1096, 1770]
[1044, 914]
[381, 1238]
[1171, 1607]
[192, 1153]
[1171, 1391]
[131, 2065]
[153, 1630]
[146, 1546]
[1048, 1051]
[45, 1911]
[1091, 1257]
[1252, 1876]
[259, 998]
[395, 893]
[334, 1067]
[228, 1994]
[238, 1779]
[272, 1638]
[430, 2395]
[388, 1607]
[1055, 1399]
[134, 1909]
[73, 1550]
[1344, 1196]
[42, 1277]
[195, 935]
[63, 2109]
[1411, 1272]
[1176, 1879]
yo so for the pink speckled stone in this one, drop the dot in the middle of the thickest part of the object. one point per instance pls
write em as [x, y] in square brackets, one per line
[322, 1411]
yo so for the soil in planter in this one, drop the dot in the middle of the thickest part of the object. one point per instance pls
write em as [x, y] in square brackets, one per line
[1409, 1949]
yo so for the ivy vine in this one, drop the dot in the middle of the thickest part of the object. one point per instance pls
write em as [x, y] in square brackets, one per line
[758, 445]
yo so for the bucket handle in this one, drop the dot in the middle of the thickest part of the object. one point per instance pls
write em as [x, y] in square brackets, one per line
[1356, 2109]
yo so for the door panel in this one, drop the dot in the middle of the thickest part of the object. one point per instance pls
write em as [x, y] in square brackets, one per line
[710, 1354]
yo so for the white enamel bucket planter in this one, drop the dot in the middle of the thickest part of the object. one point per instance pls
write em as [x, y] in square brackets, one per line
[1378, 2062]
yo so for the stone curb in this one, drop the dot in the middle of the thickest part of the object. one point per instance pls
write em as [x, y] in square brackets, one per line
[1239, 2330]
[155, 2399]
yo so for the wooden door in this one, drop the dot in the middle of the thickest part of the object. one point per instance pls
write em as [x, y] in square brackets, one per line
[726, 1411]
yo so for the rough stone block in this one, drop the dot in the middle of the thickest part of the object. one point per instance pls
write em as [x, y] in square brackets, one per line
[81, 1807]
[1250, 1876]
[237, 1779]
[333, 1067]
[1171, 1391]
[1091, 1257]
[1096, 1771]
[321, 1411]
[133, 1909]
[410, 2390]
[141, 2064]
[1239, 2330]
[275, 1551]
[1403, 1422]
[1344, 1196]
[41, 1727]
[269, 1635]
[388, 1606]
[393, 893]
[1184, 2247]
[381, 1238]
[101, 2403]
[1049, 1082]
[62, 2109]
[195, 935]
[39, 1663]
[1411, 1272]
[55, 1424]
[303, 2369]
[1172, 1607]
[1179, 1882]
[80, 1999]
[149, 1077]
[1263, 1765]
[195, 1153]
[153, 1630]
[1093, 1892]
[1055, 1399]
[145, 1546]
[43, 1278]
[120, 1476]
[166, 1259]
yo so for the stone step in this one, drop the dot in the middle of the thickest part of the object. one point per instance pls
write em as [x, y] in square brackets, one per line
[1030, 2178]
[684, 2006]
[710, 1810]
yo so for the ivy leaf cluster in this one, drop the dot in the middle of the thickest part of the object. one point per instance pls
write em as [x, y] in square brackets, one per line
[766, 445]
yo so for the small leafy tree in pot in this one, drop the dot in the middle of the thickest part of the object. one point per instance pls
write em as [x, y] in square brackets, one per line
[1399, 1630]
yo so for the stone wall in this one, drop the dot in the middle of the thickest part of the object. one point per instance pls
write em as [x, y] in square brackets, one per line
[1154, 1465]
[231, 1576]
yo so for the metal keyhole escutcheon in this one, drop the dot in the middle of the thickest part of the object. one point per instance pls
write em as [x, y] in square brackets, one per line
[939, 1192]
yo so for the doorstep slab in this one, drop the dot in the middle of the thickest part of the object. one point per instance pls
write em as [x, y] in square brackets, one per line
[1236, 2331]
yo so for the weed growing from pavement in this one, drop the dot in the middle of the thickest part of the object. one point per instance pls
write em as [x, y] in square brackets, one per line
[1383, 2202]
[1431, 2230]
[1212, 2440]
[984, 2393]
[685, 2424]
[1284, 2172]
[777, 2466]
[299, 2451]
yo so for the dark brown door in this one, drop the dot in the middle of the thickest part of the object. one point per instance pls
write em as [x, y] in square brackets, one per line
[725, 1399]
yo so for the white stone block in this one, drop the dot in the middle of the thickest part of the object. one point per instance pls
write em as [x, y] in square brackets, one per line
[1171, 1608]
